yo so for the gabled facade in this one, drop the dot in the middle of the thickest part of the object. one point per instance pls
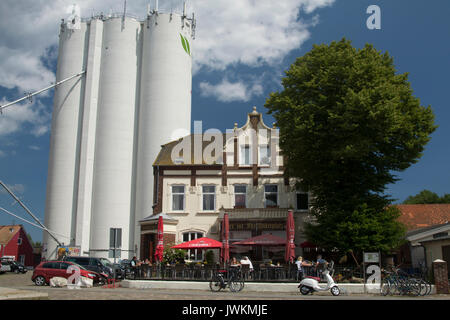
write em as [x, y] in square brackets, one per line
[200, 177]
[14, 243]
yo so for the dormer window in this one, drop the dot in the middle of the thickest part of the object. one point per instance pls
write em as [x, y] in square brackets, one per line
[264, 155]
[245, 156]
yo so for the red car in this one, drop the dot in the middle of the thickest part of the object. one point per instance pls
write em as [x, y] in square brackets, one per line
[49, 269]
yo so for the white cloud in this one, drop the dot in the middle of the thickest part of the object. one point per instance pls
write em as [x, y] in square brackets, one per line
[249, 32]
[35, 148]
[34, 114]
[15, 188]
[231, 91]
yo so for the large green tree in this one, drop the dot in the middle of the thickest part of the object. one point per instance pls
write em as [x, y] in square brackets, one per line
[348, 121]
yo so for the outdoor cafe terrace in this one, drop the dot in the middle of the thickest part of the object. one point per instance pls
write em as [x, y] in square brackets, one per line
[261, 273]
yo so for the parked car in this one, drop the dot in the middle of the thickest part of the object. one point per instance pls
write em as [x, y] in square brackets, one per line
[49, 269]
[99, 265]
[4, 267]
[125, 264]
[15, 266]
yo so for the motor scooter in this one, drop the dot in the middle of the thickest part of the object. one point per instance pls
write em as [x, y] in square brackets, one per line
[311, 284]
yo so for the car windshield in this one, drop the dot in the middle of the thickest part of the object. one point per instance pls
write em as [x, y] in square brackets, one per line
[80, 266]
[106, 262]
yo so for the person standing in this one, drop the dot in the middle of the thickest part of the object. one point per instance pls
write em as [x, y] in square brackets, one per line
[133, 265]
[300, 264]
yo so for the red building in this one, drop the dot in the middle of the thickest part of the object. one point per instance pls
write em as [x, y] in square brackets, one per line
[14, 242]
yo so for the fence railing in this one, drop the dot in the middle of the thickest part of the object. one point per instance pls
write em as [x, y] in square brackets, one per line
[286, 273]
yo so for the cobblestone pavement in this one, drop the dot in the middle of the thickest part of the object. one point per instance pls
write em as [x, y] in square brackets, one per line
[23, 281]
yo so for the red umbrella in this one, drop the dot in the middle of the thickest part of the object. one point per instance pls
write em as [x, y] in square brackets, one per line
[200, 243]
[262, 240]
[290, 234]
[160, 244]
[225, 252]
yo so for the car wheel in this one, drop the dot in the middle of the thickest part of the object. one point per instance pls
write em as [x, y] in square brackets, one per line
[16, 271]
[39, 281]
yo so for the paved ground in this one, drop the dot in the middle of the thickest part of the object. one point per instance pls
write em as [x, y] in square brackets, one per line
[23, 282]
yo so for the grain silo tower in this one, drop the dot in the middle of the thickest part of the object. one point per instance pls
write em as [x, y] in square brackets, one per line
[108, 125]
[165, 106]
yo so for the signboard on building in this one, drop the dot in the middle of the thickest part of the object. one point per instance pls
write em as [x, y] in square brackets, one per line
[371, 257]
[66, 251]
[239, 226]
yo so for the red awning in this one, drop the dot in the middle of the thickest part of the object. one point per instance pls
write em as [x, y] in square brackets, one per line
[308, 244]
[262, 240]
[200, 243]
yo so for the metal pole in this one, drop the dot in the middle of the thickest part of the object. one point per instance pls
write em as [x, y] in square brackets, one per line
[29, 212]
[28, 96]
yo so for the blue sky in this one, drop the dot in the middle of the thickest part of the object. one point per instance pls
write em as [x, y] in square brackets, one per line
[415, 33]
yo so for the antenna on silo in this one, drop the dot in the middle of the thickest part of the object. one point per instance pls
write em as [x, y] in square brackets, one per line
[124, 13]
[184, 9]
[156, 5]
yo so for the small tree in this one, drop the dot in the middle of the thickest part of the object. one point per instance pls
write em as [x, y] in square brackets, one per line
[427, 197]
[209, 257]
[173, 255]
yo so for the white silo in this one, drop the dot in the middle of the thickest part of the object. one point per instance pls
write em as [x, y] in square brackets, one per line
[63, 158]
[165, 102]
[114, 145]
[108, 125]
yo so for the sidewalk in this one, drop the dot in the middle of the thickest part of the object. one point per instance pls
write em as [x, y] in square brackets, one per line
[15, 294]
[346, 288]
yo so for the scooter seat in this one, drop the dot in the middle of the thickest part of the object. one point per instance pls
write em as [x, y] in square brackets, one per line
[315, 278]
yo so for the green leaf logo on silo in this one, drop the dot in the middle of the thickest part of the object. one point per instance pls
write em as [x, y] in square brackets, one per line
[185, 44]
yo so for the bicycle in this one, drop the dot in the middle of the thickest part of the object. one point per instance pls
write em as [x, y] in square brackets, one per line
[235, 281]
[398, 282]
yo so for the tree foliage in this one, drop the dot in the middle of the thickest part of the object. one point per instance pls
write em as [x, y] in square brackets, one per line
[347, 123]
[427, 197]
[364, 229]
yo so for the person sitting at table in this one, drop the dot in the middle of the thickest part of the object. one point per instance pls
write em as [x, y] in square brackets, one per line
[246, 260]
[234, 262]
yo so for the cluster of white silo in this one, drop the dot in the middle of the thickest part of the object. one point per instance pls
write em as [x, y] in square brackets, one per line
[108, 126]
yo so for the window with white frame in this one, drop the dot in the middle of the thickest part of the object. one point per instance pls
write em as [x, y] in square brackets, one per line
[209, 198]
[302, 200]
[271, 195]
[193, 254]
[240, 196]
[19, 241]
[264, 155]
[178, 198]
[245, 156]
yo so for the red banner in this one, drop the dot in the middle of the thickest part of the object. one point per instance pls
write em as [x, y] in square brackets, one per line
[290, 236]
[160, 240]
